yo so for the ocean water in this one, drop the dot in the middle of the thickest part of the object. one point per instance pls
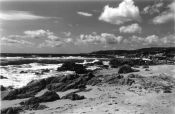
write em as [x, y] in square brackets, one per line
[19, 74]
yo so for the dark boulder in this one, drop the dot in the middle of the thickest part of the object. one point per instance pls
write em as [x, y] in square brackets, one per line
[46, 97]
[49, 96]
[23, 72]
[11, 110]
[2, 77]
[73, 96]
[72, 66]
[126, 69]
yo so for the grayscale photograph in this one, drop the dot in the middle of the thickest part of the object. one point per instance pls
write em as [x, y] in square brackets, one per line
[87, 56]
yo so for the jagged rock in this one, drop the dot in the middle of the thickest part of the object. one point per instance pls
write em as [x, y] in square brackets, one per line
[69, 82]
[72, 66]
[11, 110]
[27, 91]
[73, 96]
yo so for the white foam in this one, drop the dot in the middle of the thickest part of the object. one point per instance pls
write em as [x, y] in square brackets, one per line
[17, 79]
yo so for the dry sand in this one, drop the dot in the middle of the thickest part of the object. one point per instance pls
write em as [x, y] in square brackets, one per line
[112, 99]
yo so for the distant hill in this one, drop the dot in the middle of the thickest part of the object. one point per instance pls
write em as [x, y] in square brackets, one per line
[167, 51]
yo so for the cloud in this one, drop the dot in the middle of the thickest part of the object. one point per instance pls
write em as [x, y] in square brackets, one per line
[166, 16]
[103, 38]
[133, 28]
[51, 43]
[85, 14]
[153, 39]
[125, 12]
[11, 41]
[20, 15]
[153, 9]
[46, 38]
[67, 34]
[46, 34]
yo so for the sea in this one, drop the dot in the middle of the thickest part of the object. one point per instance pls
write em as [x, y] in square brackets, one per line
[17, 70]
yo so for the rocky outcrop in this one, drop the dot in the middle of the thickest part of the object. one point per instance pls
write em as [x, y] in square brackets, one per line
[28, 91]
[69, 82]
[72, 66]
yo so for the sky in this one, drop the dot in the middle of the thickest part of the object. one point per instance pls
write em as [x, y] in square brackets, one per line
[82, 26]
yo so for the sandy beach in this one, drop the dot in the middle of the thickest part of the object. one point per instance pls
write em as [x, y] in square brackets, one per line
[108, 98]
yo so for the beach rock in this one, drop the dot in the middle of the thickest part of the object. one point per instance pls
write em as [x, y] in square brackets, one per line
[167, 89]
[126, 69]
[29, 90]
[69, 82]
[56, 86]
[2, 77]
[11, 110]
[35, 106]
[23, 72]
[46, 97]
[72, 66]
[49, 96]
[134, 76]
[94, 81]
[31, 101]
[73, 96]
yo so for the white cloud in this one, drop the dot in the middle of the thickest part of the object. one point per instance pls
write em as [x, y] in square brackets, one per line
[50, 43]
[133, 28]
[153, 9]
[46, 34]
[11, 41]
[67, 34]
[103, 38]
[84, 14]
[166, 15]
[126, 11]
[19, 15]
[153, 39]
